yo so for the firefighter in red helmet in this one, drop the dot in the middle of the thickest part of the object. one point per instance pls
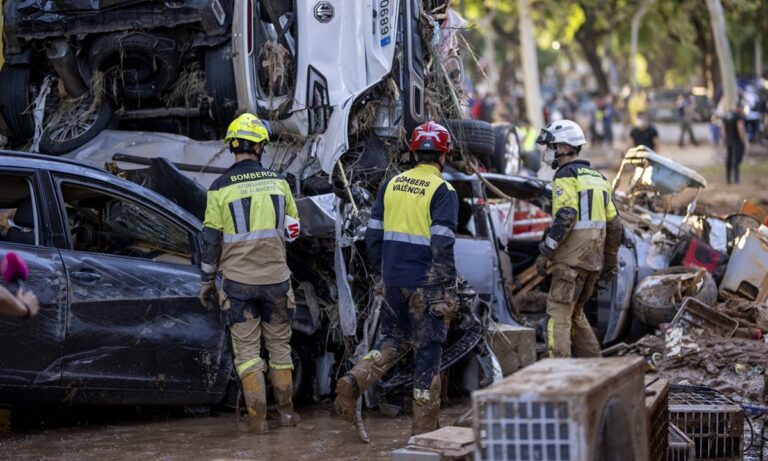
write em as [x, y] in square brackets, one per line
[410, 240]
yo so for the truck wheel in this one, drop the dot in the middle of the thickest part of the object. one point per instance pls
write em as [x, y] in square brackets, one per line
[15, 100]
[506, 150]
[143, 65]
[65, 132]
[474, 137]
[220, 83]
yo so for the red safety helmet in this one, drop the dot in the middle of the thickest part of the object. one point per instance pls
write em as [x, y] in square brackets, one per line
[431, 136]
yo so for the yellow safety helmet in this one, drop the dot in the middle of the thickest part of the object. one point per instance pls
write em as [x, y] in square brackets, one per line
[244, 132]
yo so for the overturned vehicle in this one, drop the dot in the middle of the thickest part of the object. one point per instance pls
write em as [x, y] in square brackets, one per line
[74, 68]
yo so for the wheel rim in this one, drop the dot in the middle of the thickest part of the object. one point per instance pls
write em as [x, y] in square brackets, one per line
[68, 123]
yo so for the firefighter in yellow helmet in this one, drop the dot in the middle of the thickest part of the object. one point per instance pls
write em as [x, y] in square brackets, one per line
[249, 214]
[582, 244]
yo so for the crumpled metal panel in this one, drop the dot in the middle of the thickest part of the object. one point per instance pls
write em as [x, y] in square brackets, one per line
[347, 307]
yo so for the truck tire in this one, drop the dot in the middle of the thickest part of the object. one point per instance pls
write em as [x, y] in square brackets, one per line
[220, 83]
[15, 101]
[473, 137]
[507, 148]
[145, 64]
[66, 135]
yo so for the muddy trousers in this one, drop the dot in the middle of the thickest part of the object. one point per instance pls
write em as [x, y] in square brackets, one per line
[405, 320]
[568, 331]
[252, 311]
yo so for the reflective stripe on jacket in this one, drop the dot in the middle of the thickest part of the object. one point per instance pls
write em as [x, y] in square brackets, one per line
[578, 186]
[247, 207]
[411, 232]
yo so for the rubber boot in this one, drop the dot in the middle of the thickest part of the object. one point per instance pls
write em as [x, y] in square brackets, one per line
[282, 386]
[426, 408]
[255, 393]
[350, 386]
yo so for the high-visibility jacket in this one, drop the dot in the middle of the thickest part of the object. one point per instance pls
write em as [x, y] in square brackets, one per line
[244, 225]
[411, 232]
[582, 208]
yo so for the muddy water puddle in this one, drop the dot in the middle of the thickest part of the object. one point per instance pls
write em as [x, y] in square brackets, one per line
[320, 436]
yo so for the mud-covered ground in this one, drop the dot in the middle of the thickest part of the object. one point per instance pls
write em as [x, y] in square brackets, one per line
[92, 434]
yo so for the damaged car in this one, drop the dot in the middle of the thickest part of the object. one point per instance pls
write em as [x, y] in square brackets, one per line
[115, 267]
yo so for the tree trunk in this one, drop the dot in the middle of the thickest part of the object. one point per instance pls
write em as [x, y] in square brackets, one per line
[587, 40]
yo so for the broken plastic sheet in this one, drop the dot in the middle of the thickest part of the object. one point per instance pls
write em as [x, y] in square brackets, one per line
[347, 307]
[202, 161]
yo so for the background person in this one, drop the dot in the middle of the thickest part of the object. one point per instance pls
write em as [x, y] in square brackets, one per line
[24, 305]
[735, 133]
[644, 133]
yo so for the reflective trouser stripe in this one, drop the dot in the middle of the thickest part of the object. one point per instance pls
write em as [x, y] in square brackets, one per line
[281, 366]
[551, 338]
[406, 238]
[245, 366]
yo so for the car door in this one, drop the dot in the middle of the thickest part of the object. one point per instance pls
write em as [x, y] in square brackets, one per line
[31, 349]
[475, 252]
[134, 316]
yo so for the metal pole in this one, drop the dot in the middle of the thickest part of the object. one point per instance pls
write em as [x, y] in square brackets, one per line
[531, 74]
[759, 54]
[638, 16]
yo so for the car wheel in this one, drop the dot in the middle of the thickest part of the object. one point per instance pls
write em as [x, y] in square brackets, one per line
[142, 65]
[15, 100]
[506, 150]
[220, 83]
[72, 125]
[474, 137]
[531, 160]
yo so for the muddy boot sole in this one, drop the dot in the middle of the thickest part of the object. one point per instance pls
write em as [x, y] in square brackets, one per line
[345, 399]
[248, 426]
[289, 420]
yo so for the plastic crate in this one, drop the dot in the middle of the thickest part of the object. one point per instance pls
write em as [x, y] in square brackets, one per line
[714, 422]
[680, 446]
[564, 410]
[657, 415]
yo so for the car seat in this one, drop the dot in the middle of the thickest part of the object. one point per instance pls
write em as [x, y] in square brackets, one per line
[24, 220]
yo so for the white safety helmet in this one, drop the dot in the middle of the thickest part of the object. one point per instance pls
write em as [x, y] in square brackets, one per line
[561, 131]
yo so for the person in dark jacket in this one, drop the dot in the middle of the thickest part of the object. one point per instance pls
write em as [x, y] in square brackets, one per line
[645, 133]
[735, 142]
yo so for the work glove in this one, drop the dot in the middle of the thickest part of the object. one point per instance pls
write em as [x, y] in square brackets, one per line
[609, 273]
[378, 285]
[207, 294]
[443, 301]
[542, 262]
